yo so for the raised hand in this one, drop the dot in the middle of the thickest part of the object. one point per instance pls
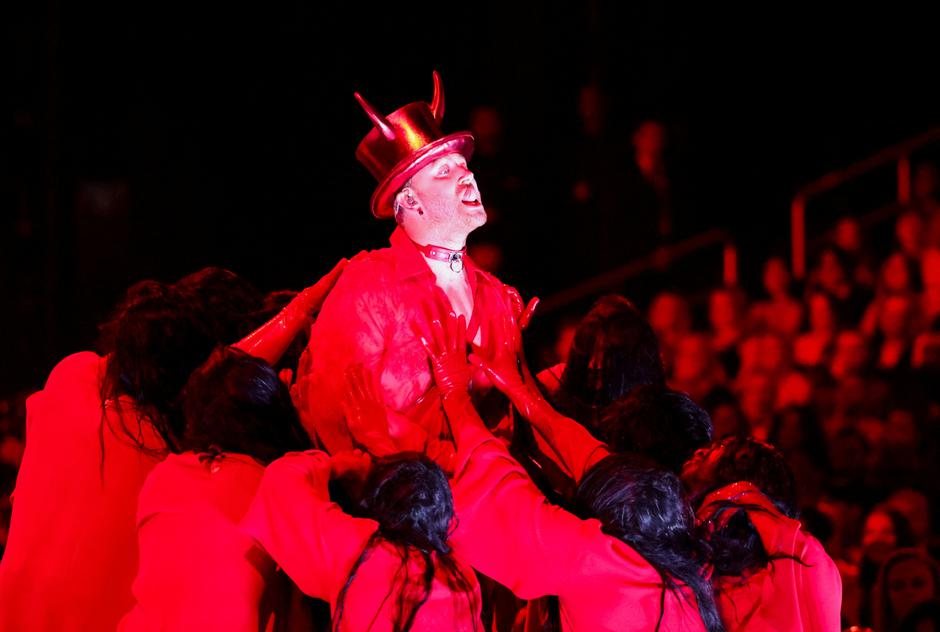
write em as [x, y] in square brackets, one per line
[365, 412]
[311, 299]
[521, 312]
[444, 339]
[269, 341]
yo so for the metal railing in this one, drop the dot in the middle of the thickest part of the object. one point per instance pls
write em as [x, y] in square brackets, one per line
[899, 154]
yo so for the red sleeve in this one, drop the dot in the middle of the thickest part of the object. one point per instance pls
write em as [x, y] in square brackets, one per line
[307, 535]
[506, 528]
[820, 587]
[569, 445]
[816, 599]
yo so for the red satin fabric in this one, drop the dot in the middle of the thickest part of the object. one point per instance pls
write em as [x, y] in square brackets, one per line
[317, 544]
[786, 595]
[368, 318]
[509, 532]
[72, 551]
[197, 570]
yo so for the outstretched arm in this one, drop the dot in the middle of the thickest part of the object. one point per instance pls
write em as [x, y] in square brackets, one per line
[293, 519]
[506, 528]
[563, 440]
[270, 341]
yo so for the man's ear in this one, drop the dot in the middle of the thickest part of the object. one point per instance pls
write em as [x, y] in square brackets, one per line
[406, 201]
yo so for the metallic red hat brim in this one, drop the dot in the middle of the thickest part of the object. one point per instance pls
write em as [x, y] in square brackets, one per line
[383, 200]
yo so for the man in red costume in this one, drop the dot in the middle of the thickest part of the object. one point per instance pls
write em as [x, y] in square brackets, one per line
[370, 317]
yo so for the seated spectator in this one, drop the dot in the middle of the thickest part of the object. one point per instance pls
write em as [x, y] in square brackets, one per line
[671, 321]
[780, 312]
[906, 579]
[813, 348]
[696, 369]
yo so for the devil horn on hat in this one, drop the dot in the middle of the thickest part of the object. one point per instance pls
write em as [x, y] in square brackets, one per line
[437, 104]
[377, 119]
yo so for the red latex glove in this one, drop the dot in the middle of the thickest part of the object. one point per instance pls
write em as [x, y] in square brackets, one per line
[446, 345]
[521, 312]
[365, 412]
[506, 367]
[270, 341]
[311, 299]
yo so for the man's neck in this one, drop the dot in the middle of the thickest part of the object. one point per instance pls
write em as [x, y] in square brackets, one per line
[451, 242]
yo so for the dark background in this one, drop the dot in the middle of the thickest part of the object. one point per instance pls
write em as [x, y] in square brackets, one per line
[148, 140]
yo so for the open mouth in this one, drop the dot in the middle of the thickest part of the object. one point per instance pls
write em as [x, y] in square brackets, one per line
[473, 202]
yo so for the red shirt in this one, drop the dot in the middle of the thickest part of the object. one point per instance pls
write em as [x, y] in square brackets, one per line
[508, 531]
[197, 571]
[368, 318]
[786, 595]
[72, 550]
[317, 545]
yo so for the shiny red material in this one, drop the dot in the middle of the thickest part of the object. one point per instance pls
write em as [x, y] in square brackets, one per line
[72, 550]
[563, 440]
[403, 142]
[368, 318]
[197, 570]
[787, 595]
[317, 545]
[271, 340]
[509, 532]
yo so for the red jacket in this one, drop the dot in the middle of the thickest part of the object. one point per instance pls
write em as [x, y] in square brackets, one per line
[368, 318]
[72, 550]
[508, 531]
[786, 595]
[317, 545]
[197, 570]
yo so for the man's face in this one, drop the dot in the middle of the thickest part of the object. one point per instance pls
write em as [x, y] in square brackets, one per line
[448, 194]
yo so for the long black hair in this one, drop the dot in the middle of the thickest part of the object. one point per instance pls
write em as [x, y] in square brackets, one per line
[645, 506]
[657, 422]
[736, 547]
[153, 340]
[236, 403]
[410, 498]
[614, 350]
[228, 302]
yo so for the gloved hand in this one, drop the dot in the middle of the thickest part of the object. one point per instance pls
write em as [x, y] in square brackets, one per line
[311, 299]
[446, 345]
[269, 341]
[521, 312]
[365, 412]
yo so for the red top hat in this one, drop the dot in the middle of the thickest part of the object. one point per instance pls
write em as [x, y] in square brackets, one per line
[403, 142]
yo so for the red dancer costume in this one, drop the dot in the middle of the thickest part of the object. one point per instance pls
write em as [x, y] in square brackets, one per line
[317, 545]
[804, 595]
[509, 532]
[72, 552]
[425, 184]
[196, 570]
[76, 575]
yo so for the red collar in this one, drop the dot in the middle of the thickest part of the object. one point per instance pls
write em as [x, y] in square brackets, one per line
[439, 253]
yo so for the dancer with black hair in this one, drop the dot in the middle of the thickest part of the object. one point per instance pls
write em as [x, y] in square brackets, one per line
[392, 567]
[614, 351]
[768, 572]
[93, 434]
[635, 564]
[196, 568]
